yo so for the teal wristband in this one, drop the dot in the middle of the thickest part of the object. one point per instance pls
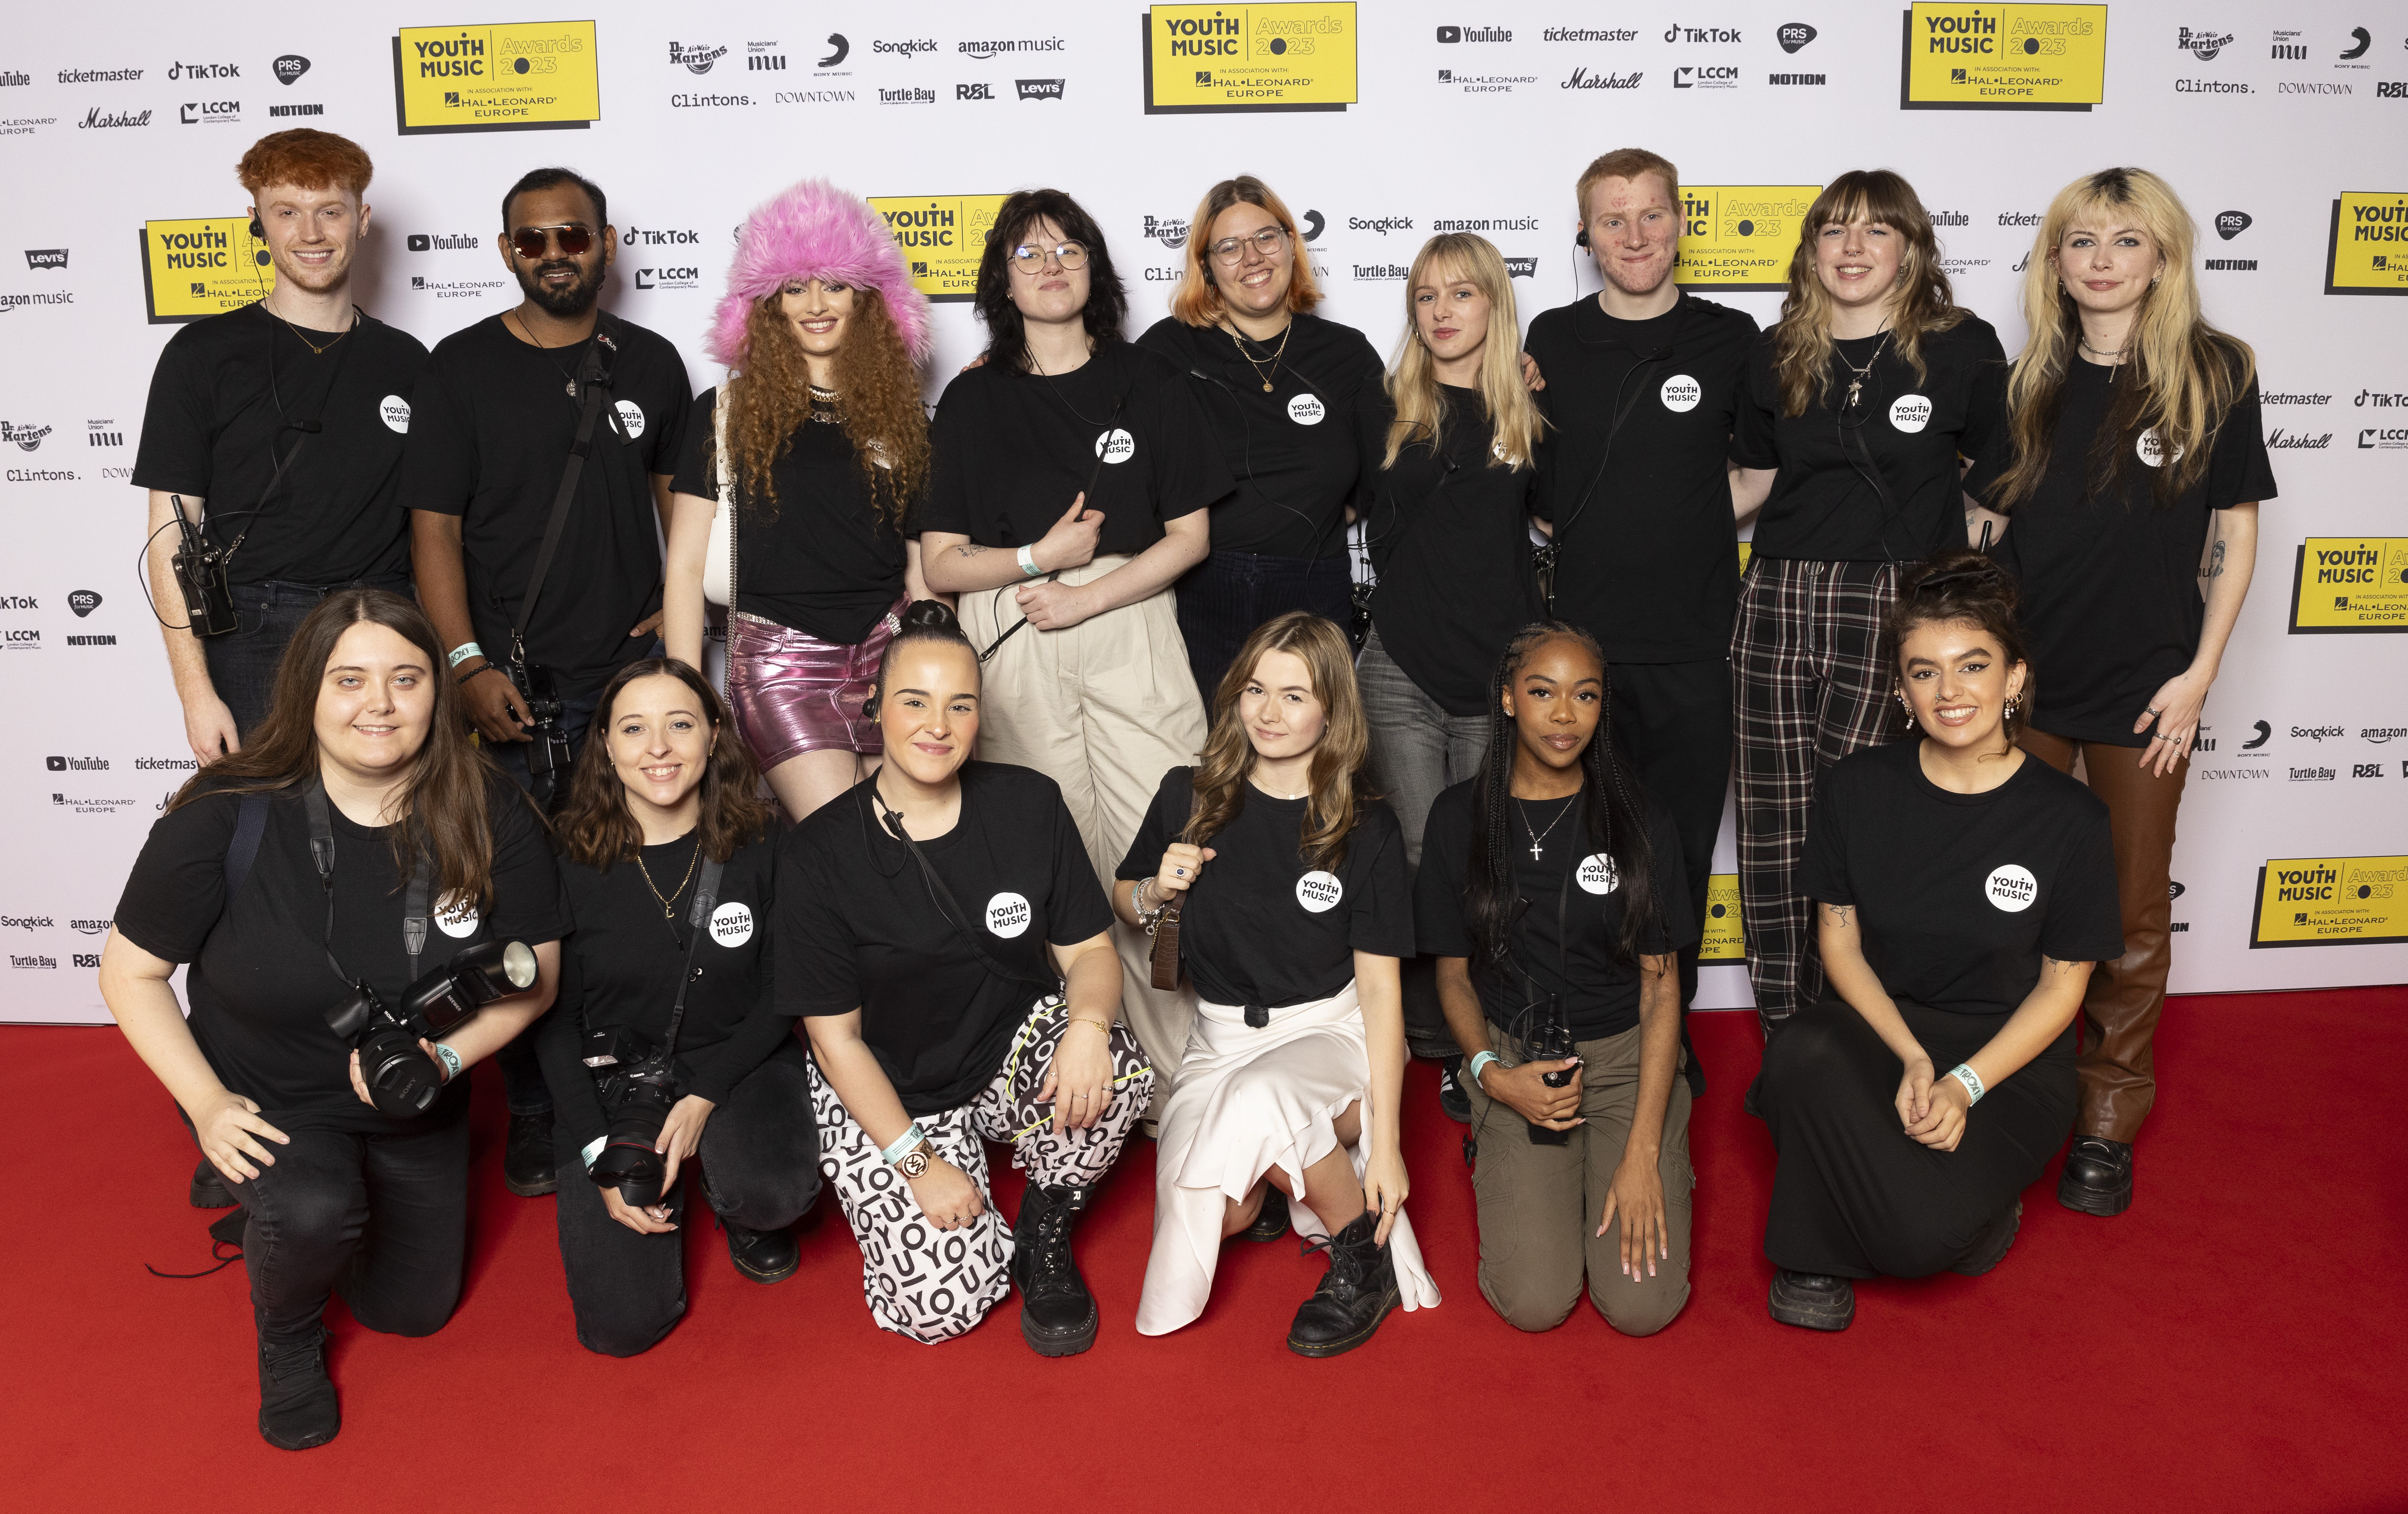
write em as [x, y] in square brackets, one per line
[1973, 1082]
[903, 1144]
[1479, 1062]
[450, 1060]
[462, 653]
[1028, 561]
[594, 1149]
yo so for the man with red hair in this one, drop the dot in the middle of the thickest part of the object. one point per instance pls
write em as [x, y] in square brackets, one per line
[275, 430]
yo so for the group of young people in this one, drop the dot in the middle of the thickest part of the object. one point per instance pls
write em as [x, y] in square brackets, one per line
[1069, 783]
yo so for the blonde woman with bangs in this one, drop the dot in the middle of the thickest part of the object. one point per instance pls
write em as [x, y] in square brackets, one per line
[1294, 913]
[1294, 401]
[2131, 493]
[1448, 526]
[1861, 405]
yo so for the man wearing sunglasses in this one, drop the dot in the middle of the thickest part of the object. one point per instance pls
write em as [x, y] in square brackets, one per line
[500, 407]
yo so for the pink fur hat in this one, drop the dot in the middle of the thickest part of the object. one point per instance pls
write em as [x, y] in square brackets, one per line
[817, 231]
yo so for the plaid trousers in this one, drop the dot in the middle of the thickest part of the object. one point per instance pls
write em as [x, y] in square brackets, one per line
[1813, 679]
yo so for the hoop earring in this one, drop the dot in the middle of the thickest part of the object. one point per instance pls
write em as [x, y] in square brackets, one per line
[1906, 709]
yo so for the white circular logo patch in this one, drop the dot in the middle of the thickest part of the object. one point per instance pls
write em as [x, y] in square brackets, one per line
[1007, 915]
[1598, 874]
[1681, 394]
[1306, 410]
[1910, 413]
[2012, 888]
[2152, 451]
[1318, 891]
[395, 411]
[458, 921]
[631, 418]
[1116, 446]
[731, 924]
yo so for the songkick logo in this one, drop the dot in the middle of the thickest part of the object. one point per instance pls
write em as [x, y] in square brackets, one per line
[695, 57]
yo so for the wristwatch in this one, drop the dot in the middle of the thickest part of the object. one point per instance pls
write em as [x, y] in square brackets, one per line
[915, 1161]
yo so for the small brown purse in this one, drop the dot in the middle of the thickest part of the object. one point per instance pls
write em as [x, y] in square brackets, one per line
[1164, 932]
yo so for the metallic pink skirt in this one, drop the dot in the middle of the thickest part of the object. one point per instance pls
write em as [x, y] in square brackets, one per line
[793, 693]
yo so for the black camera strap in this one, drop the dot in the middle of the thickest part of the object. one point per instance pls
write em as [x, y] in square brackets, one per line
[698, 919]
[306, 428]
[946, 905]
[415, 910]
[1095, 472]
[594, 387]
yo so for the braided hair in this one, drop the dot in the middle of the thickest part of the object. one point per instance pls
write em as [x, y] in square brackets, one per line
[1611, 799]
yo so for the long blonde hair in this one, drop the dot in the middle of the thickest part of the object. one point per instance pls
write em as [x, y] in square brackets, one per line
[2185, 374]
[1926, 303]
[1412, 377]
[1332, 809]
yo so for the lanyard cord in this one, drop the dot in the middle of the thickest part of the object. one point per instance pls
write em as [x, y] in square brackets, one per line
[415, 905]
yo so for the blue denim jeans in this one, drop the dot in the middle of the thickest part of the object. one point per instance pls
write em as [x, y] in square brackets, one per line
[243, 664]
[1223, 598]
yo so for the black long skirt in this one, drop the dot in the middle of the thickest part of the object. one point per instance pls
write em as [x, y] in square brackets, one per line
[1853, 1195]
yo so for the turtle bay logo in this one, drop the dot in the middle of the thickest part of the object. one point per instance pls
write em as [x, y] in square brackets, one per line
[1039, 89]
[27, 437]
[2232, 223]
[695, 57]
[910, 94]
[1721, 76]
[689, 278]
[1170, 231]
[289, 67]
[1794, 35]
[2203, 46]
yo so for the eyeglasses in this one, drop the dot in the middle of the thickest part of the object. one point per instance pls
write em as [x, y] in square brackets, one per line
[1268, 242]
[1028, 259]
[573, 240]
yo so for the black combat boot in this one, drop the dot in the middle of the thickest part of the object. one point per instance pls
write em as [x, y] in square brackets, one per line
[1354, 1295]
[210, 1190]
[2097, 1177]
[297, 1399]
[527, 1157]
[1991, 1248]
[1812, 1300]
[1057, 1314]
[1270, 1222]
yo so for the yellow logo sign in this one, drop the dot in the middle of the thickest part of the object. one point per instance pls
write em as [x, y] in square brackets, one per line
[941, 237]
[534, 75]
[1740, 236]
[2369, 252]
[2350, 583]
[192, 269]
[1720, 927]
[1274, 57]
[2002, 57]
[2331, 900]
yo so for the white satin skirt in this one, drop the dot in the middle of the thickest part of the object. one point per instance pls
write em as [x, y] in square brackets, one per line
[1248, 1100]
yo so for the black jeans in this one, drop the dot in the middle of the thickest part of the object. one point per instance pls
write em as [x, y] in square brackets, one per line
[243, 663]
[382, 1219]
[1223, 598]
[760, 1161]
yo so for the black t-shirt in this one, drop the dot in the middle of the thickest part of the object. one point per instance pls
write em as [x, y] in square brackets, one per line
[1650, 564]
[216, 423]
[2111, 604]
[1450, 537]
[494, 429]
[1823, 505]
[863, 929]
[1565, 942]
[1014, 449]
[1295, 450]
[1259, 928]
[822, 557]
[260, 984]
[622, 968]
[1958, 895]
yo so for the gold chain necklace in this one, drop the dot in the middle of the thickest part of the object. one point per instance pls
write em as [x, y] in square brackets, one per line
[315, 351]
[1289, 330]
[668, 904]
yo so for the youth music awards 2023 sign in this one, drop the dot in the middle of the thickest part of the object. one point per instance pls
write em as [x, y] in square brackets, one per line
[1740, 236]
[192, 269]
[941, 237]
[2012, 57]
[530, 76]
[1203, 59]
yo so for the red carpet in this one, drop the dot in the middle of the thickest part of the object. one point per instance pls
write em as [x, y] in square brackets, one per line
[2235, 1342]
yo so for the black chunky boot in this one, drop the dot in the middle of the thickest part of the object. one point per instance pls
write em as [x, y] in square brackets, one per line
[1354, 1295]
[297, 1399]
[210, 1190]
[766, 1256]
[1812, 1301]
[1270, 1222]
[1057, 1314]
[527, 1157]
[1991, 1248]
[2098, 1178]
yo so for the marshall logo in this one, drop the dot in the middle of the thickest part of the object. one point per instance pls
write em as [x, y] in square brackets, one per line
[2279, 439]
[96, 117]
[289, 67]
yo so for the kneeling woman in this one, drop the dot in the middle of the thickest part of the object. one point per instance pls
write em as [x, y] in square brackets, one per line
[1552, 894]
[1295, 910]
[667, 853]
[1964, 891]
[296, 876]
[943, 932]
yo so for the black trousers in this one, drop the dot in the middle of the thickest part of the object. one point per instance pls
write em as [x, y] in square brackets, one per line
[382, 1219]
[760, 1164]
[1672, 724]
[1223, 598]
[243, 663]
[1853, 1195]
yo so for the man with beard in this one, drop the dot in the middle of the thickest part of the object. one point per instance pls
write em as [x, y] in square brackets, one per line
[286, 418]
[500, 407]
[1642, 383]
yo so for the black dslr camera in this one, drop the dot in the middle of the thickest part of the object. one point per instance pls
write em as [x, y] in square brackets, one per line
[638, 1089]
[549, 758]
[201, 574]
[401, 1079]
[1550, 1041]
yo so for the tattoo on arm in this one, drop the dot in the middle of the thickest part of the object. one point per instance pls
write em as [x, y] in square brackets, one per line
[1843, 914]
[2056, 966]
[2215, 561]
[968, 549]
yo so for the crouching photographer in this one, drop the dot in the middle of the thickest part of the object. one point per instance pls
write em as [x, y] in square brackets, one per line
[368, 908]
[667, 1045]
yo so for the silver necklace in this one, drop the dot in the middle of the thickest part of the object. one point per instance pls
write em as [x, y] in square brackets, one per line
[1538, 838]
[1858, 383]
[2114, 359]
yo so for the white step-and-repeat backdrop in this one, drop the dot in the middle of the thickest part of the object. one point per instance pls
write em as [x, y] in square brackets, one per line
[2286, 128]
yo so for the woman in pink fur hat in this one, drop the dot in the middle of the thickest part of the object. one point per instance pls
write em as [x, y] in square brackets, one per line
[791, 500]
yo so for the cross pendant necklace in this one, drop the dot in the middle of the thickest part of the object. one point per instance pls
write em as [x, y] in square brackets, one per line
[1539, 837]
